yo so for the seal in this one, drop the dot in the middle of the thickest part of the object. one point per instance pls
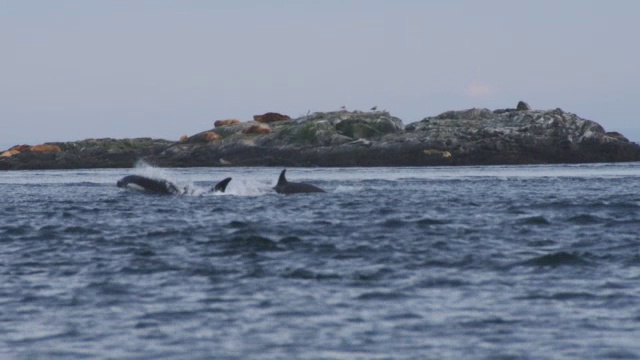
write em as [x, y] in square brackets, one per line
[286, 187]
[159, 186]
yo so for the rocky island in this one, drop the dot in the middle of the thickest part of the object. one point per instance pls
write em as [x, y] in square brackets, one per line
[352, 138]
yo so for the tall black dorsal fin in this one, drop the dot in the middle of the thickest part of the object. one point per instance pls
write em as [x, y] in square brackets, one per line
[222, 185]
[282, 180]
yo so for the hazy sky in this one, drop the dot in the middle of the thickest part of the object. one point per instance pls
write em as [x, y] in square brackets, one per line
[71, 70]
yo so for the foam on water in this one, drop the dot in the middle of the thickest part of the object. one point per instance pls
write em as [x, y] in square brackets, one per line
[237, 187]
[348, 189]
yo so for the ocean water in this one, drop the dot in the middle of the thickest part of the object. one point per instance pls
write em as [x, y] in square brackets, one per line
[514, 262]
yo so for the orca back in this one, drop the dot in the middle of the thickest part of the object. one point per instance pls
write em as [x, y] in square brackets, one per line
[286, 187]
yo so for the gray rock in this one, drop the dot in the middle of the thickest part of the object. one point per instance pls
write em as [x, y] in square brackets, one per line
[343, 138]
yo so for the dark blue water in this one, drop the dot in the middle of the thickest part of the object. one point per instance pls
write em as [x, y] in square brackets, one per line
[445, 263]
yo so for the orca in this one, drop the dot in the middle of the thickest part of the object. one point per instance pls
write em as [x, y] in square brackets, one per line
[159, 186]
[286, 187]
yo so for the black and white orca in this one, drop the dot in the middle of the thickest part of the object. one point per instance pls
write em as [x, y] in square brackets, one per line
[159, 186]
[286, 187]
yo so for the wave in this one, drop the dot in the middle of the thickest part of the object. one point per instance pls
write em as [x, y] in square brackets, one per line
[253, 243]
[634, 260]
[443, 283]
[558, 259]
[534, 220]
[400, 223]
[393, 223]
[563, 295]
[103, 288]
[489, 322]
[305, 274]
[81, 230]
[372, 275]
[381, 295]
[465, 262]
[585, 219]
[16, 229]
[427, 221]
[148, 264]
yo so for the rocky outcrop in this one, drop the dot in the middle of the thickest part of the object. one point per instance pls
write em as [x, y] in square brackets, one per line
[468, 137]
[344, 138]
[89, 153]
[481, 136]
[270, 117]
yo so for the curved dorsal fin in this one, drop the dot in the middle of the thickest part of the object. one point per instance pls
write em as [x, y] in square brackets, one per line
[222, 185]
[282, 180]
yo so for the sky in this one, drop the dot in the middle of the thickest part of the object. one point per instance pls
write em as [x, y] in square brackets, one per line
[71, 70]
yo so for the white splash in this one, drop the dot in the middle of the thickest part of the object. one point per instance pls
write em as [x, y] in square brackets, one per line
[341, 189]
[243, 187]
[188, 187]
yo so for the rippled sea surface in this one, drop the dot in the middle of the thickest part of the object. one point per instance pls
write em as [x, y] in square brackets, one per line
[391, 263]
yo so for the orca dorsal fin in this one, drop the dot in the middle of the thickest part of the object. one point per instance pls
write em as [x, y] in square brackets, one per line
[282, 180]
[222, 185]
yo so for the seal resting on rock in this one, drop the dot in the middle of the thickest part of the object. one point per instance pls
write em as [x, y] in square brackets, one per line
[270, 117]
[523, 106]
[257, 129]
[211, 136]
[227, 122]
[45, 148]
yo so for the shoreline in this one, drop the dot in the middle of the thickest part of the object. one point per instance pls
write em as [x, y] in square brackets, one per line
[475, 136]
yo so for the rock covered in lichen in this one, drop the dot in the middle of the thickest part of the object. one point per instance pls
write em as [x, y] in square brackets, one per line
[550, 136]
